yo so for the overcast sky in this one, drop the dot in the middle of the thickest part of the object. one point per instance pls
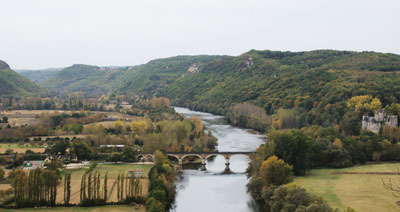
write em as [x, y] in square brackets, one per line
[57, 33]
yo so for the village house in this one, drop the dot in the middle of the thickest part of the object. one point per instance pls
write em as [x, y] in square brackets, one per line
[375, 123]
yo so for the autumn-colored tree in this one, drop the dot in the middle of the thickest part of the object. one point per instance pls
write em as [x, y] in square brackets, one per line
[198, 125]
[275, 171]
[119, 127]
[159, 157]
[338, 143]
[40, 130]
[364, 103]
[138, 127]
[2, 174]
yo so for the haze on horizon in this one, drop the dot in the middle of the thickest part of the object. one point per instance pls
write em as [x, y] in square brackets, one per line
[45, 33]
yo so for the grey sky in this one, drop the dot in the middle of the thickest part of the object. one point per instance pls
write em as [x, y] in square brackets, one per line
[56, 33]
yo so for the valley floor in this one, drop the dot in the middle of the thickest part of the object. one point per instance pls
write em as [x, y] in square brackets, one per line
[355, 189]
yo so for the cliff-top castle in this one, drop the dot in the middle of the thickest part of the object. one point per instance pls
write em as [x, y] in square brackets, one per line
[375, 123]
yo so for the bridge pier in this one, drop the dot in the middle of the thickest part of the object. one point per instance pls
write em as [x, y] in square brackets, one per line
[180, 163]
[227, 169]
[203, 164]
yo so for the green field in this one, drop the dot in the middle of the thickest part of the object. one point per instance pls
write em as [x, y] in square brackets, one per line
[108, 208]
[114, 169]
[359, 191]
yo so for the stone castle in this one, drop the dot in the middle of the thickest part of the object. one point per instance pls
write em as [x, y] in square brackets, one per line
[375, 123]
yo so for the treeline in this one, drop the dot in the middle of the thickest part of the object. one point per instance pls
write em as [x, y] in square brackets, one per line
[90, 192]
[162, 184]
[269, 187]
[175, 136]
[169, 135]
[35, 188]
[74, 101]
[157, 109]
[129, 189]
[50, 124]
[318, 147]
[247, 115]
[38, 188]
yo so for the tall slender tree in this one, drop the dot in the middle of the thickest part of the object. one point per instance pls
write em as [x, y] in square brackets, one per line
[105, 187]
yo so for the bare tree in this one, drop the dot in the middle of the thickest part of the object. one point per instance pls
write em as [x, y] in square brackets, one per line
[392, 186]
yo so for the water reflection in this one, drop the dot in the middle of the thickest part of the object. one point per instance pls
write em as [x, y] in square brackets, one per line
[210, 190]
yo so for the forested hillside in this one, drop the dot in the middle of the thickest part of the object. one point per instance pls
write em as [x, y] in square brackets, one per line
[38, 76]
[308, 87]
[144, 80]
[85, 78]
[12, 83]
[151, 78]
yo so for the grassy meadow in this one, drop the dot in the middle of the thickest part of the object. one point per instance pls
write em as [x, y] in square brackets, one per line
[21, 148]
[363, 192]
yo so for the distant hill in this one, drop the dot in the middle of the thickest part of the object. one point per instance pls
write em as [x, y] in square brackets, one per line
[38, 76]
[12, 83]
[147, 79]
[153, 77]
[85, 78]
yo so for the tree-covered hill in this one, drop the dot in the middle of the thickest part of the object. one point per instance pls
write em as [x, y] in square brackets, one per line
[12, 83]
[315, 84]
[145, 80]
[38, 76]
[151, 78]
[85, 78]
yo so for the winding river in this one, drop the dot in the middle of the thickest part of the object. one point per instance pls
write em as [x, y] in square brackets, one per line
[207, 191]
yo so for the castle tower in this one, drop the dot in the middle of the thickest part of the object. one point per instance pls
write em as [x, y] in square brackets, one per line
[380, 115]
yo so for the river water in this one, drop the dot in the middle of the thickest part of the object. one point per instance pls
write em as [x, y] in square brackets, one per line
[207, 191]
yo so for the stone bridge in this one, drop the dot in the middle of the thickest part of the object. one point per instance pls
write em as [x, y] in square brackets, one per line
[202, 155]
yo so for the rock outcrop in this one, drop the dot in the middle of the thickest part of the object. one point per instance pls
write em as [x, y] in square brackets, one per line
[4, 65]
[193, 69]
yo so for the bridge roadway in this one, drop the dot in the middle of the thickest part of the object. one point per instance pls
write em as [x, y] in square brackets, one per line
[147, 156]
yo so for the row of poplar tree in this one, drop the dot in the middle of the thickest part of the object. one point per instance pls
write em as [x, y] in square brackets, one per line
[35, 188]
[39, 188]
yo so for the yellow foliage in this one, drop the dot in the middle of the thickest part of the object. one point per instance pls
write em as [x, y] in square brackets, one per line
[118, 124]
[338, 143]
[364, 102]
[138, 127]
[198, 124]
[275, 171]
[276, 124]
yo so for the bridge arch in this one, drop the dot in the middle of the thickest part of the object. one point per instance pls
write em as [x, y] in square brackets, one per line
[197, 155]
[173, 156]
[149, 157]
[140, 157]
[145, 157]
[211, 155]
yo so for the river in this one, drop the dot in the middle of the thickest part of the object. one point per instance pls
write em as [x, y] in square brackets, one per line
[207, 191]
